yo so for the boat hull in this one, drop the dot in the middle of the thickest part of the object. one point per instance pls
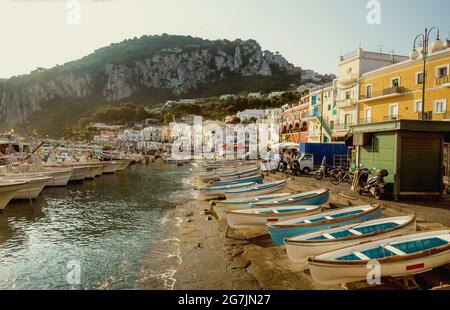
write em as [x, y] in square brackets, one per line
[316, 200]
[109, 168]
[258, 192]
[238, 220]
[298, 252]
[7, 193]
[325, 269]
[79, 173]
[278, 234]
[59, 177]
[32, 189]
[123, 165]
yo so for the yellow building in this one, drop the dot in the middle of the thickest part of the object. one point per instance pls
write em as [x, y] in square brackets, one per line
[395, 91]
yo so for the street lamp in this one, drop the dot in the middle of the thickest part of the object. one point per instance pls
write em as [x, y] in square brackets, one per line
[435, 46]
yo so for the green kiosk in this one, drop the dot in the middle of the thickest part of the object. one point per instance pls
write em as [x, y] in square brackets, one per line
[411, 150]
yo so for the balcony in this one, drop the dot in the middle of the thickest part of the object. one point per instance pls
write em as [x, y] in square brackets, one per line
[443, 81]
[348, 79]
[345, 103]
[343, 127]
[384, 93]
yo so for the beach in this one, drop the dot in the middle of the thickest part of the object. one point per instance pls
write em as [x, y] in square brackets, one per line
[246, 259]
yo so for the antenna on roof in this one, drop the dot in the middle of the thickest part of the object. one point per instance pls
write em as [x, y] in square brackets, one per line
[380, 48]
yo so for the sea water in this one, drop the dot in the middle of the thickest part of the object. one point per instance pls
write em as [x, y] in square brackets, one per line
[93, 235]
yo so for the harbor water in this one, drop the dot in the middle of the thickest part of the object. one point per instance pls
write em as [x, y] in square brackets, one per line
[93, 235]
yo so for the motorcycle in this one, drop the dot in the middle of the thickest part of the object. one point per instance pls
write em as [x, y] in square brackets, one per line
[375, 186]
[323, 171]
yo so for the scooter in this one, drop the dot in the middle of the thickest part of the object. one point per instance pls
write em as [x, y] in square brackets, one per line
[323, 171]
[375, 186]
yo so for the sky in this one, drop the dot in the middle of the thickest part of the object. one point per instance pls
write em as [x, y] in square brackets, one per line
[309, 33]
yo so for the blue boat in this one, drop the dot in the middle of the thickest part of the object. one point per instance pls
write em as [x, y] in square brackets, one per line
[256, 179]
[312, 198]
[320, 221]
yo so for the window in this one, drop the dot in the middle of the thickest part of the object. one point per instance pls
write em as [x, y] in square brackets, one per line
[331, 125]
[367, 115]
[440, 106]
[348, 95]
[419, 78]
[442, 72]
[369, 91]
[418, 106]
[347, 119]
[329, 107]
[393, 111]
[395, 82]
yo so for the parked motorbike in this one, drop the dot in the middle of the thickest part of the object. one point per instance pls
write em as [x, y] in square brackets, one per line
[323, 171]
[375, 186]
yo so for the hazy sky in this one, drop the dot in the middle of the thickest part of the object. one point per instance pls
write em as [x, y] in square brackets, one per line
[309, 33]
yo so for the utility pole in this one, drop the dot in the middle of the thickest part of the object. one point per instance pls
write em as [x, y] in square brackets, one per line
[321, 116]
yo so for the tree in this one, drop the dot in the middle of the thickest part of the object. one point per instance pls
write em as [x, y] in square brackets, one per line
[168, 118]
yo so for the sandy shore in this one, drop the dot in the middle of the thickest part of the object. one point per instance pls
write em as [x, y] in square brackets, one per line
[247, 259]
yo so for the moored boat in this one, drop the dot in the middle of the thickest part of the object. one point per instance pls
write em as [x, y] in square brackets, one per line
[33, 187]
[246, 202]
[301, 225]
[108, 167]
[8, 189]
[300, 247]
[317, 197]
[256, 179]
[257, 190]
[123, 165]
[240, 174]
[79, 173]
[249, 218]
[395, 257]
[217, 191]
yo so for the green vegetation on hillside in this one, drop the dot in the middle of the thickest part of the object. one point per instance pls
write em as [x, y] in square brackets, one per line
[122, 114]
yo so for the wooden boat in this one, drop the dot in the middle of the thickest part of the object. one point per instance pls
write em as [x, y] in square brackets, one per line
[256, 179]
[249, 218]
[397, 257]
[8, 189]
[301, 225]
[240, 174]
[257, 190]
[60, 176]
[299, 248]
[123, 165]
[216, 191]
[79, 173]
[108, 167]
[317, 197]
[34, 185]
[246, 202]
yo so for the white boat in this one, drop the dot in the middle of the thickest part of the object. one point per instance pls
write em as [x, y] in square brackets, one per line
[300, 247]
[240, 174]
[123, 165]
[217, 191]
[60, 176]
[257, 190]
[239, 204]
[79, 173]
[108, 167]
[32, 189]
[395, 257]
[8, 189]
[250, 218]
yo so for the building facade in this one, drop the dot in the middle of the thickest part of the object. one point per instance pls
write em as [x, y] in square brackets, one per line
[350, 69]
[395, 92]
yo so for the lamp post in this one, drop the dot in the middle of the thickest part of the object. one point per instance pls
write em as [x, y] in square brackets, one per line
[437, 44]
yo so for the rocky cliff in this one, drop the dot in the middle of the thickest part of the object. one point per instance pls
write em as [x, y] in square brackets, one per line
[178, 65]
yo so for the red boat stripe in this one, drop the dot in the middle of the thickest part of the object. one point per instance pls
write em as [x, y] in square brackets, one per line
[414, 267]
[272, 220]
